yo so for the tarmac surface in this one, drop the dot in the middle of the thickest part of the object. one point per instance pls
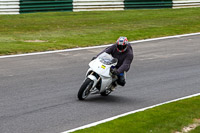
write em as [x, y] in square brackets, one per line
[38, 93]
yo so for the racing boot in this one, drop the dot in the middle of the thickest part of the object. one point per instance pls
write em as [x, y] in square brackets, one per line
[114, 85]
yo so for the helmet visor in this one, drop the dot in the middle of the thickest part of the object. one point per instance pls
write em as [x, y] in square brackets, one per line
[121, 47]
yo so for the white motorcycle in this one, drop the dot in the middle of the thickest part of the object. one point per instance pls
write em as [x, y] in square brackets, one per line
[99, 77]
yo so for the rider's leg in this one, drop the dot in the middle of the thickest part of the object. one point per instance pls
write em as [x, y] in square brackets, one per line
[121, 79]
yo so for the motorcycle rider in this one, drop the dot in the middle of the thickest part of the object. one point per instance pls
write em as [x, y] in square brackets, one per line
[122, 50]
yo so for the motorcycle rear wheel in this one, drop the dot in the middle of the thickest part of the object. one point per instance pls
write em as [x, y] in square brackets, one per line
[84, 91]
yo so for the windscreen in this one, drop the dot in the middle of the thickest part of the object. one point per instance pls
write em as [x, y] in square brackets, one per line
[107, 59]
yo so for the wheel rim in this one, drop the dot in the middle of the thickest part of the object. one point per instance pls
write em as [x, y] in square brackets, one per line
[86, 92]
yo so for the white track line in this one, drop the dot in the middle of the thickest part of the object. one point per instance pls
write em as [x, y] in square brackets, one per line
[76, 49]
[128, 113]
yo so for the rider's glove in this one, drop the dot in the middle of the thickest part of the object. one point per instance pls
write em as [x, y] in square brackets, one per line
[114, 71]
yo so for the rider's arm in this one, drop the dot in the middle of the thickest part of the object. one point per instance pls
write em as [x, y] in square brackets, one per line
[126, 64]
[108, 50]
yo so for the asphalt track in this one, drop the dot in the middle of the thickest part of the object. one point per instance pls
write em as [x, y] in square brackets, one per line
[38, 94]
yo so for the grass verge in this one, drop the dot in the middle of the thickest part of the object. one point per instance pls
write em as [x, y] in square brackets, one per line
[167, 118]
[61, 30]
[196, 130]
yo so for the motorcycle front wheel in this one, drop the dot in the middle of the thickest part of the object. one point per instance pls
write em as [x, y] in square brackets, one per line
[84, 91]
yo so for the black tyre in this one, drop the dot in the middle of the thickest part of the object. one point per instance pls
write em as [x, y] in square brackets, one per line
[106, 92]
[84, 91]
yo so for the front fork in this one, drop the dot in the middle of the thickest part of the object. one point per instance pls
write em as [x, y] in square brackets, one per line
[95, 79]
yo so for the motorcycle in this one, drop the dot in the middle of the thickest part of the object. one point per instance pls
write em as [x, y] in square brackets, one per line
[99, 77]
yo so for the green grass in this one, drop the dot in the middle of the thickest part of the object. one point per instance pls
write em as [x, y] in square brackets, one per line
[167, 118]
[63, 30]
[196, 130]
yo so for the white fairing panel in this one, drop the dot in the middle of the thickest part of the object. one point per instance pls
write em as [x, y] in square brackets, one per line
[105, 83]
[102, 64]
[100, 68]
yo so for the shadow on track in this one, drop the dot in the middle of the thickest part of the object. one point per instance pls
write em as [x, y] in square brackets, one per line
[114, 99]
